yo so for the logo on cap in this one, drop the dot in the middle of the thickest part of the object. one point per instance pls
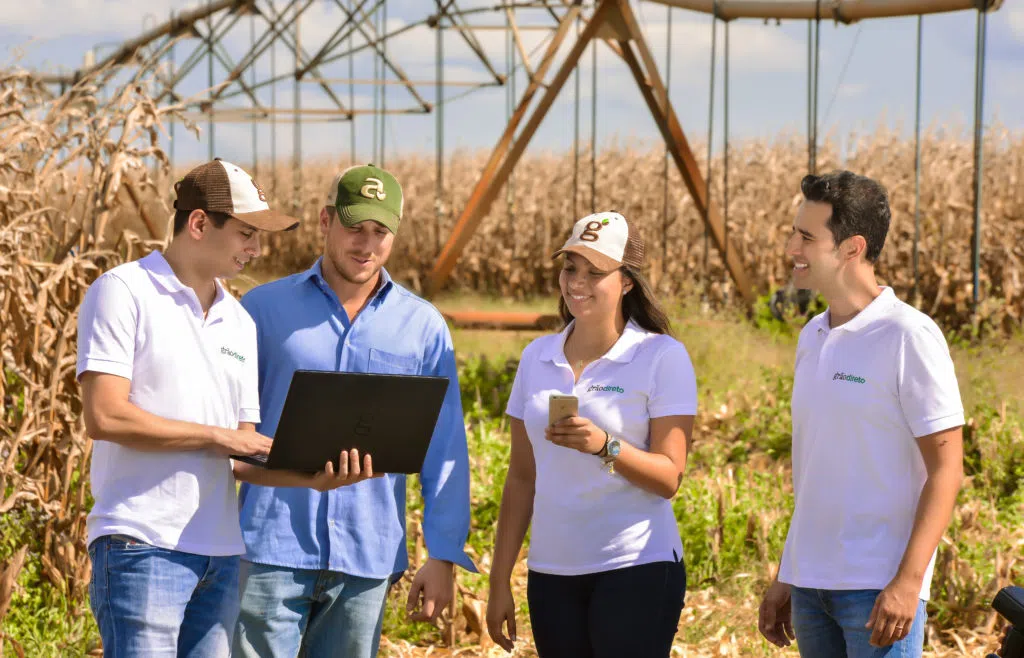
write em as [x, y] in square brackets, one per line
[589, 233]
[374, 188]
[259, 190]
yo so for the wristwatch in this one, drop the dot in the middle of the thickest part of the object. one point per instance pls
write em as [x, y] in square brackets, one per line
[611, 450]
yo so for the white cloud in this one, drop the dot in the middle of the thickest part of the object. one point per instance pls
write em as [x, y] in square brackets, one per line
[1016, 19]
[851, 90]
[52, 19]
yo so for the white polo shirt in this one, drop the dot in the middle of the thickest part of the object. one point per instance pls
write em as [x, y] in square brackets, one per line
[138, 321]
[862, 392]
[585, 519]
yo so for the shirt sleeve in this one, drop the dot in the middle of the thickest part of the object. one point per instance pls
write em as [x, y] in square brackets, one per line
[928, 391]
[674, 384]
[445, 475]
[516, 405]
[249, 407]
[107, 322]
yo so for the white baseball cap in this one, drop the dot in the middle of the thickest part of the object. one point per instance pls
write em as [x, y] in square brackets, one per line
[606, 240]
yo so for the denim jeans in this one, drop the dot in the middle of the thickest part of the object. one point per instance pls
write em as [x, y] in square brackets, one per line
[830, 624]
[633, 611]
[151, 602]
[307, 613]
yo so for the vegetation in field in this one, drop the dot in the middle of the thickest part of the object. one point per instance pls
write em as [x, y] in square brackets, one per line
[83, 188]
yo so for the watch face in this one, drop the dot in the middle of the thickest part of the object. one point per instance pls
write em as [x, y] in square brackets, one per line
[614, 448]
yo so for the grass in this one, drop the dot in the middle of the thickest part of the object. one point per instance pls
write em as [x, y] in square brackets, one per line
[732, 509]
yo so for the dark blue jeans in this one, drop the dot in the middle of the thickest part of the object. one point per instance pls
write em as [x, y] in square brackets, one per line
[632, 611]
[151, 602]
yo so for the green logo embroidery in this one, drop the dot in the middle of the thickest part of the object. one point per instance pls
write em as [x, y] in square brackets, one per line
[843, 377]
[605, 389]
[233, 354]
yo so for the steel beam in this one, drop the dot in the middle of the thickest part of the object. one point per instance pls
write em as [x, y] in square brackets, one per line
[645, 72]
[508, 151]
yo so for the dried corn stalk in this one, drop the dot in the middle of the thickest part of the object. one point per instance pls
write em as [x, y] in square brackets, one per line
[63, 162]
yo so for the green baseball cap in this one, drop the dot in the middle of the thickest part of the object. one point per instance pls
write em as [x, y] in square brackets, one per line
[367, 192]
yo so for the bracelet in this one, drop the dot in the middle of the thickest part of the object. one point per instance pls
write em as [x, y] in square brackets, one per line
[603, 452]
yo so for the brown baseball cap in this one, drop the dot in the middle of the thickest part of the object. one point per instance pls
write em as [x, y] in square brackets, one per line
[220, 186]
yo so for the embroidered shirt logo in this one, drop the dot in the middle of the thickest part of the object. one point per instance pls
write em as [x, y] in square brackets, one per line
[373, 189]
[843, 377]
[595, 388]
[233, 354]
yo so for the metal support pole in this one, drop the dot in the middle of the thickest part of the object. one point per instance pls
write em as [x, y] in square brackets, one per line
[384, 87]
[593, 127]
[273, 118]
[439, 131]
[170, 149]
[711, 139]
[917, 163]
[351, 99]
[576, 139]
[725, 158]
[665, 156]
[376, 96]
[297, 126]
[252, 77]
[979, 106]
[209, 66]
[510, 103]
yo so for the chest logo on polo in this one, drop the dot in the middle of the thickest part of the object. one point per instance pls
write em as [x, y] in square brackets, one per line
[843, 377]
[233, 354]
[597, 388]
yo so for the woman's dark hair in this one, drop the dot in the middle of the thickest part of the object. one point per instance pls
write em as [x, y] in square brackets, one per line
[639, 305]
[181, 218]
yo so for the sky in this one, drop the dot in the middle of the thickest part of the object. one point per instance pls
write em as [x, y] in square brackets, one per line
[866, 76]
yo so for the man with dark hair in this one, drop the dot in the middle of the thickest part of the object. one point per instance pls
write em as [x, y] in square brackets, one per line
[318, 567]
[167, 364]
[877, 442]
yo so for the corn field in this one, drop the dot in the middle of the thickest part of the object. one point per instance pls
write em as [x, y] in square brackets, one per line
[509, 255]
[84, 187]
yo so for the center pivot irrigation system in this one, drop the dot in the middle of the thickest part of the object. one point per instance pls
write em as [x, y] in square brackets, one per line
[235, 85]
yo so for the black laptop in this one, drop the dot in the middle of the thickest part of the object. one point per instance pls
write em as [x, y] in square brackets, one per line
[389, 417]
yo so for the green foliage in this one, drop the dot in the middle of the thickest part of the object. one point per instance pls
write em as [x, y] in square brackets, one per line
[790, 320]
[733, 506]
[994, 451]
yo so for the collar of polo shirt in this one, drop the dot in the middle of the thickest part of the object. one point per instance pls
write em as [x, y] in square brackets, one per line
[877, 308]
[622, 351]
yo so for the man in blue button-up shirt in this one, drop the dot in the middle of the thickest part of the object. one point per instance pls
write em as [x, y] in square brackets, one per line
[318, 566]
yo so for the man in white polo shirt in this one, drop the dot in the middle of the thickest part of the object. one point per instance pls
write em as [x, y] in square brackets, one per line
[877, 442]
[168, 369]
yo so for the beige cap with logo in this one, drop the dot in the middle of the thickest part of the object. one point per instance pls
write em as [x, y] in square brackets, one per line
[606, 240]
[220, 186]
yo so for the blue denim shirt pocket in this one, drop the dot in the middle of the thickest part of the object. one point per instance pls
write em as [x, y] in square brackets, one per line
[392, 364]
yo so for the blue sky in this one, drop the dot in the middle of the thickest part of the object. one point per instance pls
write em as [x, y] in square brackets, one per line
[866, 76]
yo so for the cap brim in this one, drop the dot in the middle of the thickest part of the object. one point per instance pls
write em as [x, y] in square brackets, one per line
[267, 220]
[599, 260]
[357, 213]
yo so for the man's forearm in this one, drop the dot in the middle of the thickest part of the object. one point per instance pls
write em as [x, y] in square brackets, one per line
[128, 425]
[270, 477]
[934, 512]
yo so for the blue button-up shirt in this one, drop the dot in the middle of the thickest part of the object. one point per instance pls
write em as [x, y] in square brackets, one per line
[357, 529]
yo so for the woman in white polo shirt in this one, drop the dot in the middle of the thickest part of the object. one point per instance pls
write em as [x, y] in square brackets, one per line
[606, 572]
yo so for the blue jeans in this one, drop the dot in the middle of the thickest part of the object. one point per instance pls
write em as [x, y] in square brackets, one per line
[151, 601]
[830, 624]
[307, 612]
